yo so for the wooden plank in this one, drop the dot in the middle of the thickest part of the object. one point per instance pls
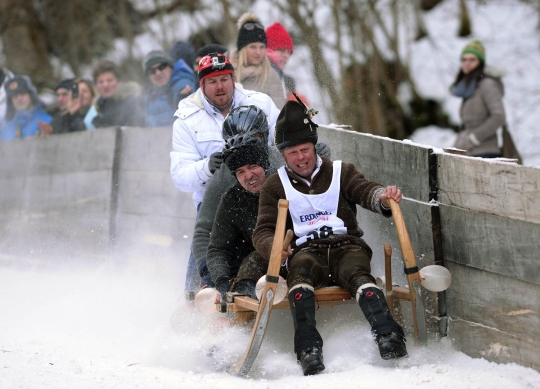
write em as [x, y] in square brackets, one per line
[494, 301]
[406, 164]
[324, 296]
[498, 244]
[488, 186]
[494, 345]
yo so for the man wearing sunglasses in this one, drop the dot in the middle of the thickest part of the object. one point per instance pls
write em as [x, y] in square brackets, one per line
[197, 140]
[168, 84]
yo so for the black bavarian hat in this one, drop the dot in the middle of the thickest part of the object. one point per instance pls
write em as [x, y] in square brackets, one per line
[294, 125]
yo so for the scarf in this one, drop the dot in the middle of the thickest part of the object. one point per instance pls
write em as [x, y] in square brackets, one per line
[461, 89]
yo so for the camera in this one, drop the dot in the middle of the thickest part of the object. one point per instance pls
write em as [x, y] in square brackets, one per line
[75, 90]
[218, 62]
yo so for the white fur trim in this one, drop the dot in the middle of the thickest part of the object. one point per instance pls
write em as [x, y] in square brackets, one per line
[247, 17]
[307, 286]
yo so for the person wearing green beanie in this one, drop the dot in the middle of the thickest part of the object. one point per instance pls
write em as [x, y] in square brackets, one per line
[477, 48]
[482, 111]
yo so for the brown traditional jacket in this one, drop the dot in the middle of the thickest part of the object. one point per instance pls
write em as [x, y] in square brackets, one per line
[355, 189]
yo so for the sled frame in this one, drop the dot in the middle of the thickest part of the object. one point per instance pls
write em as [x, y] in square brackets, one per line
[334, 295]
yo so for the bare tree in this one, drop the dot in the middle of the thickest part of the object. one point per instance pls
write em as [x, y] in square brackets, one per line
[366, 49]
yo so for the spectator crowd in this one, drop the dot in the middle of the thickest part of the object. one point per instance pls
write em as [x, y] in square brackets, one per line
[110, 100]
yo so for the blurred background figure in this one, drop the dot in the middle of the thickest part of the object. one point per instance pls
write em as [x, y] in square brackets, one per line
[168, 83]
[183, 55]
[81, 97]
[279, 50]
[5, 76]
[482, 110]
[204, 51]
[252, 65]
[118, 102]
[280, 45]
[58, 110]
[63, 92]
[25, 113]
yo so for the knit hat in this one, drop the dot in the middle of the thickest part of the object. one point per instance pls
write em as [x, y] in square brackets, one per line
[294, 125]
[212, 48]
[17, 85]
[20, 84]
[242, 150]
[183, 50]
[65, 84]
[279, 38]
[154, 57]
[250, 30]
[214, 64]
[475, 47]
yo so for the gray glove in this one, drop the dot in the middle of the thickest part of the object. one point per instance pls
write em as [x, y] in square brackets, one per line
[323, 150]
[215, 161]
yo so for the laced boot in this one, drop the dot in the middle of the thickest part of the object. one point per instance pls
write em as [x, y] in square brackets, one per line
[389, 335]
[307, 340]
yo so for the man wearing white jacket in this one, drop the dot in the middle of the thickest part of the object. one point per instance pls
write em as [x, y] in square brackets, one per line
[197, 139]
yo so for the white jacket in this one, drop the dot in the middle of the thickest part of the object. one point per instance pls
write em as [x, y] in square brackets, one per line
[197, 135]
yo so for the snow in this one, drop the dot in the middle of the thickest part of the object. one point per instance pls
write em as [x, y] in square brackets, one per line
[121, 324]
[116, 325]
[509, 30]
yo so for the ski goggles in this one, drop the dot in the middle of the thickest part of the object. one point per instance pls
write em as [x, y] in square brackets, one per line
[251, 26]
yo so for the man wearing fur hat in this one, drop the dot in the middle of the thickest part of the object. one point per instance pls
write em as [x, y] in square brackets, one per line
[197, 139]
[230, 242]
[169, 82]
[25, 111]
[328, 248]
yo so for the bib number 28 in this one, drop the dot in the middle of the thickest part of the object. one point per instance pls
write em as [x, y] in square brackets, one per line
[320, 233]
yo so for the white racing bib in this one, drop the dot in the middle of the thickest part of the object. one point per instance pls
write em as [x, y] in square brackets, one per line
[314, 216]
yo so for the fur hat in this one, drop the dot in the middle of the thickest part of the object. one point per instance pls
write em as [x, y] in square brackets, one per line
[183, 50]
[294, 125]
[477, 48]
[250, 30]
[154, 57]
[242, 150]
[279, 38]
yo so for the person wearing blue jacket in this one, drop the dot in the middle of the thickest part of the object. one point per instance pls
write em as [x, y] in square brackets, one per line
[169, 83]
[25, 114]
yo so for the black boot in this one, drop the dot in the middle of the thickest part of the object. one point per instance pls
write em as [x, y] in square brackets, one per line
[307, 340]
[388, 334]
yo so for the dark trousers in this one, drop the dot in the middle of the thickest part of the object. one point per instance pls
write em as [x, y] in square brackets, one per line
[253, 267]
[348, 266]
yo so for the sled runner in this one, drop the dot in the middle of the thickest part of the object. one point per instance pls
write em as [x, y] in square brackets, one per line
[242, 305]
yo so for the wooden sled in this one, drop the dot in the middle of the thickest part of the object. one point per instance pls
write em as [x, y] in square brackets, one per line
[243, 305]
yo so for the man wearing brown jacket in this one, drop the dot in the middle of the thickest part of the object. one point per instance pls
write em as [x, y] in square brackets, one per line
[328, 248]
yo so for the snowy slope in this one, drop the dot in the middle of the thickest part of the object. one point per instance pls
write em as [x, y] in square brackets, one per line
[120, 326]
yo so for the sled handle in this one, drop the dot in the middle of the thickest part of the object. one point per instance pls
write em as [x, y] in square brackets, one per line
[288, 239]
[403, 235]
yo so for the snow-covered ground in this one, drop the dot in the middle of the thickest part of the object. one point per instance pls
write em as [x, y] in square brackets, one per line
[121, 326]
